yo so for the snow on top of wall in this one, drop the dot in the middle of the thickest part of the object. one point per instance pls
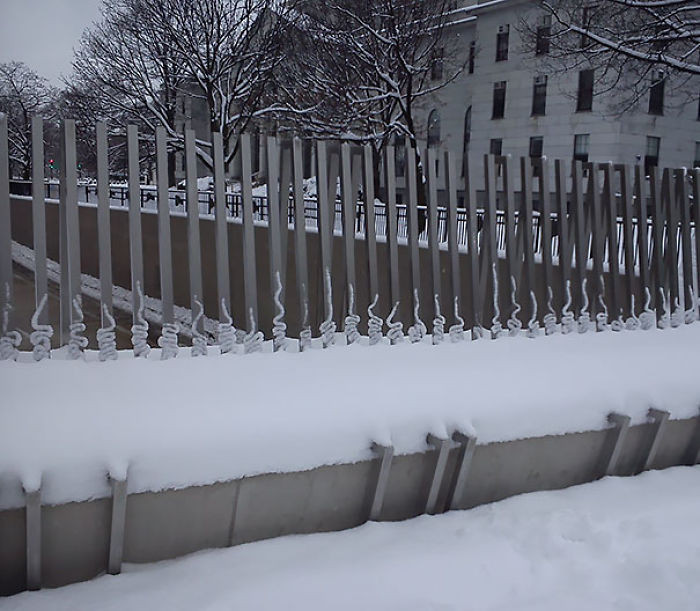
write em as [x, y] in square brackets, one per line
[192, 421]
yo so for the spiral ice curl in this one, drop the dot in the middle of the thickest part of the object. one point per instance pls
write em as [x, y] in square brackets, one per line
[496, 327]
[395, 333]
[352, 319]
[168, 341]
[584, 320]
[225, 330]
[77, 342]
[139, 330]
[533, 325]
[107, 338]
[375, 324]
[632, 322]
[254, 339]
[9, 340]
[550, 318]
[199, 340]
[438, 323]
[665, 319]
[691, 314]
[456, 331]
[513, 323]
[328, 326]
[279, 328]
[647, 319]
[568, 321]
[417, 331]
[42, 334]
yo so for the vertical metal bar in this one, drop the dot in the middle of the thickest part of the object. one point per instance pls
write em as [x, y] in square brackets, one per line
[326, 217]
[628, 225]
[104, 238]
[443, 447]
[194, 251]
[565, 246]
[249, 267]
[610, 206]
[683, 200]
[33, 538]
[285, 181]
[386, 453]
[473, 245]
[370, 221]
[275, 216]
[391, 224]
[468, 443]
[640, 194]
[433, 228]
[696, 219]
[300, 237]
[70, 232]
[6, 282]
[512, 254]
[39, 218]
[489, 246]
[135, 241]
[658, 222]
[580, 239]
[621, 423]
[118, 526]
[546, 225]
[667, 196]
[355, 173]
[660, 419]
[223, 281]
[412, 217]
[165, 254]
[526, 233]
[452, 241]
[348, 216]
[598, 231]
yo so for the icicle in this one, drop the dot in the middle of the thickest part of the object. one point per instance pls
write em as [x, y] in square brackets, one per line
[352, 319]
[647, 319]
[496, 327]
[691, 314]
[417, 331]
[395, 333]
[533, 325]
[678, 315]
[550, 318]
[438, 323]
[42, 334]
[513, 323]
[107, 338]
[225, 331]
[456, 331]
[139, 330]
[305, 332]
[632, 323]
[9, 340]
[328, 327]
[665, 320]
[77, 342]
[279, 328]
[168, 341]
[254, 338]
[375, 324]
[568, 322]
[584, 320]
[199, 340]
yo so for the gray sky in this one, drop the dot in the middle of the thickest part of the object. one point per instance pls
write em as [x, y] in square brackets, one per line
[42, 33]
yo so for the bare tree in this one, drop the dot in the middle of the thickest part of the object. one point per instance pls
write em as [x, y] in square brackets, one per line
[23, 94]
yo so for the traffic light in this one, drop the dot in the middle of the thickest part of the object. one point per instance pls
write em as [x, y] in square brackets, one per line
[51, 165]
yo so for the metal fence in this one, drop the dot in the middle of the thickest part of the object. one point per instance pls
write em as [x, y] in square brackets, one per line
[557, 254]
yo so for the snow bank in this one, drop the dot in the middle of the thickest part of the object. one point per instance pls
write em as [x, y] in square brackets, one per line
[619, 543]
[200, 420]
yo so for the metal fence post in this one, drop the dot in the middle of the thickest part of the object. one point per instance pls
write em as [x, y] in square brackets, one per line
[6, 280]
[39, 219]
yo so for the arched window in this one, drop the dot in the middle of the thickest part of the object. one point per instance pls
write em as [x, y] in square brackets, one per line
[434, 128]
[467, 136]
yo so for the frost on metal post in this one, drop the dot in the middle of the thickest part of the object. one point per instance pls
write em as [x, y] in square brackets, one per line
[533, 325]
[417, 331]
[375, 323]
[601, 318]
[665, 319]
[395, 333]
[550, 318]
[225, 331]
[691, 314]
[678, 315]
[328, 327]
[279, 328]
[9, 340]
[456, 331]
[438, 323]
[168, 341]
[77, 342]
[42, 334]
[305, 332]
[583, 324]
[107, 338]
[568, 321]
[632, 322]
[496, 327]
[139, 330]
[199, 340]
[513, 323]
[352, 319]
[253, 340]
[647, 319]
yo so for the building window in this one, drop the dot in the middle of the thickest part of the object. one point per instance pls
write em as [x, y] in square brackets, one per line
[434, 128]
[502, 43]
[437, 65]
[400, 154]
[584, 97]
[472, 56]
[656, 94]
[696, 162]
[499, 100]
[536, 146]
[496, 146]
[539, 95]
[581, 142]
[467, 136]
[651, 158]
[544, 31]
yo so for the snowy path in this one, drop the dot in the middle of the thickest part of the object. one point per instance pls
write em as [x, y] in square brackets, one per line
[192, 421]
[616, 544]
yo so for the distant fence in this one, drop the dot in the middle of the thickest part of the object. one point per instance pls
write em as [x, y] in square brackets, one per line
[505, 267]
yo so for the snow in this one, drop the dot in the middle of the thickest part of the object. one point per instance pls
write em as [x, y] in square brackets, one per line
[619, 543]
[190, 421]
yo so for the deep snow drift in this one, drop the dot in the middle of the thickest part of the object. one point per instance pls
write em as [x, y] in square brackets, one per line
[619, 543]
[200, 420]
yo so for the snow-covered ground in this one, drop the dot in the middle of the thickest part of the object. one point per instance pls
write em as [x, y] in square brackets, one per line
[617, 544]
[201, 420]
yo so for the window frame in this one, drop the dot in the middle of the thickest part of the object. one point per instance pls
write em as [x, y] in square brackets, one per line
[502, 43]
[539, 96]
[588, 98]
[499, 100]
[582, 156]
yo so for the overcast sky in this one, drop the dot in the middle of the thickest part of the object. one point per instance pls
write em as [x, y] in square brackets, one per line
[42, 33]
